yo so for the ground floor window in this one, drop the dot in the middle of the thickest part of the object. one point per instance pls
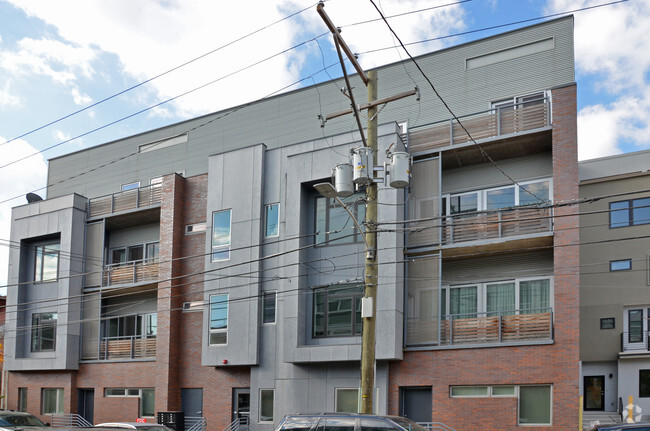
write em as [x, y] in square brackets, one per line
[22, 399]
[347, 400]
[266, 405]
[535, 405]
[51, 401]
[147, 398]
[644, 383]
[534, 401]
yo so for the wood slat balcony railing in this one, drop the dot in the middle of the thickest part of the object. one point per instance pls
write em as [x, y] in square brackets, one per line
[125, 201]
[494, 123]
[496, 224]
[483, 328]
[130, 272]
[134, 347]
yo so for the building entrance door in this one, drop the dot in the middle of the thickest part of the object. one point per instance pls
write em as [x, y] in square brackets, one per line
[86, 404]
[192, 402]
[415, 403]
[241, 403]
[594, 396]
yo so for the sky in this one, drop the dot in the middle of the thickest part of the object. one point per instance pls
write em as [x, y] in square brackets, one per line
[78, 74]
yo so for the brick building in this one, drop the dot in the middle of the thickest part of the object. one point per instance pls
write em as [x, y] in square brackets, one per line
[200, 271]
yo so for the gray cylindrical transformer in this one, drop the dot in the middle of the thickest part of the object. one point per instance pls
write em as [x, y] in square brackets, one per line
[343, 180]
[363, 165]
[400, 170]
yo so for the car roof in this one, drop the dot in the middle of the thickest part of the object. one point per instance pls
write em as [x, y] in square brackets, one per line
[616, 427]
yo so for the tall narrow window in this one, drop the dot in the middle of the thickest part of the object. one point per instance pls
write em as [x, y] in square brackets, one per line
[22, 399]
[219, 319]
[534, 295]
[271, 220]
[221, 235]
[46, 266]
[635, 326]
[500, 298]
[52, 401]
[147, 403]
[43, 332]
[266, 405]
[268, 307]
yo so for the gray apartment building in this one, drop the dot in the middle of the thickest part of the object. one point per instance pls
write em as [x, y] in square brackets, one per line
[614, 280]
[195, 267]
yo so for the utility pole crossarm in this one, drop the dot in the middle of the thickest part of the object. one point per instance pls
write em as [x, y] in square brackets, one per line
[378, 102]
[335, 31]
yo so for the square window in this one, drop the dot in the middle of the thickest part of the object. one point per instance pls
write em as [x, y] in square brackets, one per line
[620, 265]
[644, 383]
[266, 405]
[347, 400]
[535, 405]
[607, 323]
[503, 391]
[334, 225]
[337, 311]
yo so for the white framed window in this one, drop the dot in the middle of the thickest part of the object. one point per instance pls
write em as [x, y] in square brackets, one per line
[147, 398]
[346, 400]
[130, 186]
[535, 405]
[218, 319]
[266, 405]
[271, 220]
[269, 302]
[526, 193]
[519, 296]
[221, 238]
[52, 401]
[156, 182]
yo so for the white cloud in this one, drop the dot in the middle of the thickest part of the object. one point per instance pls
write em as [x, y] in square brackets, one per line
[6, 97]
[611, 48]
[17, 180]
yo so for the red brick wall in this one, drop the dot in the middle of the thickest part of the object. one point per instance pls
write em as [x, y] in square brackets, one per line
[555, 364]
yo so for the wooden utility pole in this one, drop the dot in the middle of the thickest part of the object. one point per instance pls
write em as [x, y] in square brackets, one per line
[368, 338]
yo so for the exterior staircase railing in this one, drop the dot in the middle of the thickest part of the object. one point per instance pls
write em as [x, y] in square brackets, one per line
[195, 423]
[435, 426]
[69, 420]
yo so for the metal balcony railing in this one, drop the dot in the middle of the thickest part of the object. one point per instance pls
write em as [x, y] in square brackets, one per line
[482, 328]
[141, 197]
[131, 347]
[496, 224]
[136, 271]
[637, 341]
[494, 123]
[69, 420]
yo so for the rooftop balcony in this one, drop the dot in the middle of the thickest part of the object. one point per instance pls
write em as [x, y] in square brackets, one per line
[125, 201]
[495, 123]
[481, 329]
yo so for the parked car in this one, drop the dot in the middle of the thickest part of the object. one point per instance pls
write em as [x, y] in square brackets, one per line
[623, 427]
[346, 422]
[141, 426]
[10, 420]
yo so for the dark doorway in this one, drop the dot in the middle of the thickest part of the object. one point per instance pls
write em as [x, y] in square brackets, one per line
[594, 387]
[241, 403]
[86, 406]
[192, 402]
[415, 403]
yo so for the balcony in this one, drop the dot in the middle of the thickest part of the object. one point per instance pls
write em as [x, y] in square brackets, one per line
[506, 327]
[128, 200]
[495, 123]
[491, 225]
[133, 347]
[138, 271]
[640, 342]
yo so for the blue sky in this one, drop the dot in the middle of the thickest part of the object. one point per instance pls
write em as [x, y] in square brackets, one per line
[59, 57]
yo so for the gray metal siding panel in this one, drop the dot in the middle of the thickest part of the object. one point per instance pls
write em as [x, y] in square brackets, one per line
[292, 118]
[488, 175]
